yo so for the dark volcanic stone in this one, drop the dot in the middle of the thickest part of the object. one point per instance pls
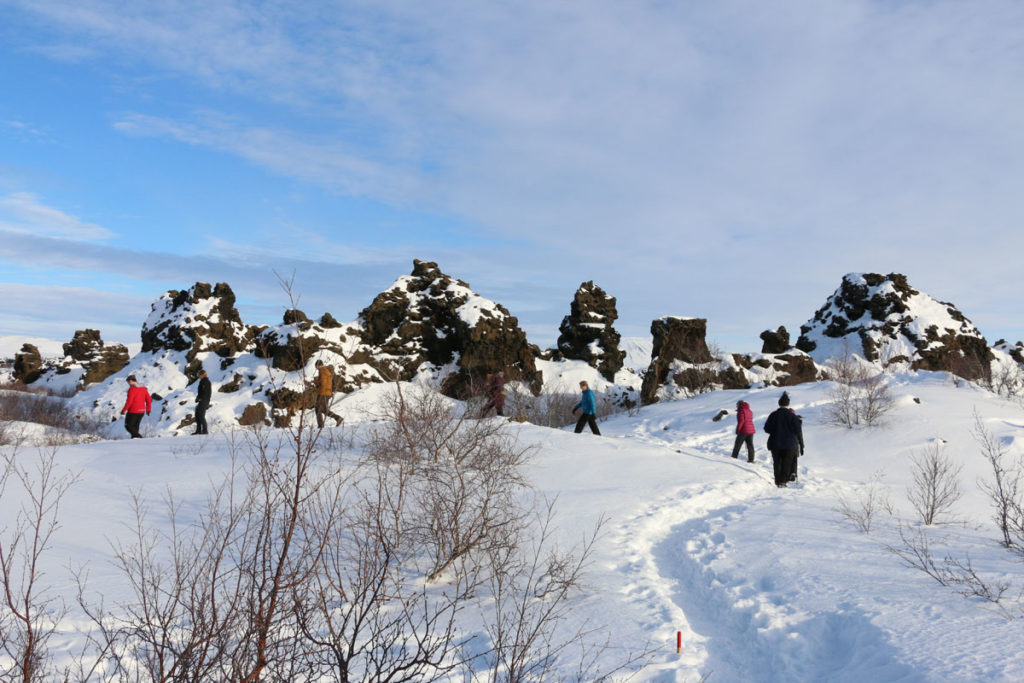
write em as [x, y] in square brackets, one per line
[589, 324]
[28, 364]
[776, 341]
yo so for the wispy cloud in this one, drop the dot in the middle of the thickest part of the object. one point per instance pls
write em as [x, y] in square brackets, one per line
[680, 153]
[23, 212]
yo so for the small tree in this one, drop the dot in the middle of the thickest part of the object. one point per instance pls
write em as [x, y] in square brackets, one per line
[936, 488]
[1005, 489]
[29, 611]
[861, 394]
[871, 500]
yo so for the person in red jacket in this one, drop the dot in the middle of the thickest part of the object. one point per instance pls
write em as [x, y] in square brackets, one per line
[136, 405]
[744, 430]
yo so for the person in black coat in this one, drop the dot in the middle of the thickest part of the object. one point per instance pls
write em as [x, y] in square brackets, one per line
[785, 440]
[202, 402]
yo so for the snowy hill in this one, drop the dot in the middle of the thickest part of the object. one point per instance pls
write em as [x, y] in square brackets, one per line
[764, 584]
[883, 319]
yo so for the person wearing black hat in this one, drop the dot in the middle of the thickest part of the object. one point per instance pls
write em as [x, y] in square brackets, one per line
[202, 403]
[785, 440]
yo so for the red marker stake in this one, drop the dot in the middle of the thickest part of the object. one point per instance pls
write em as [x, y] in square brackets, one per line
[679, 642]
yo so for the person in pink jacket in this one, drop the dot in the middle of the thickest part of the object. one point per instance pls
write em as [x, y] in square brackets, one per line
[744, 430]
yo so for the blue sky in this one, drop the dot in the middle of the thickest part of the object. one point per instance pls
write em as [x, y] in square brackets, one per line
[726, 160]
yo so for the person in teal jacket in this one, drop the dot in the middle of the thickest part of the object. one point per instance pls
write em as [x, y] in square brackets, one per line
[589, 414]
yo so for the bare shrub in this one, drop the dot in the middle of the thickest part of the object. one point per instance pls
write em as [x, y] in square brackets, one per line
[935, 488]
[29, 610]
[530, 598]
[40, 408]
[1005, 379]
[466, 475]
[915, 551]
[871, 501]
[552, 408]
[1005, 490]
[861, 394]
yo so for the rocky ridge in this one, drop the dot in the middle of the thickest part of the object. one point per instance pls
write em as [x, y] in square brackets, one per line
[428, 326]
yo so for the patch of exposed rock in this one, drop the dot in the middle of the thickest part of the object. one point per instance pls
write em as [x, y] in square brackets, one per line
[199, 319]
[28, 364]
[98, 360]
[429, 317]
[587, 334]
[885, 320]
[775, 341]
[677, 342]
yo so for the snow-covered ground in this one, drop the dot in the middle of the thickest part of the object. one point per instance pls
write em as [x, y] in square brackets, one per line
[764, 584]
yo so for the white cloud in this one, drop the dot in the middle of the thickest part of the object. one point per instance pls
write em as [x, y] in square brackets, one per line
[731, 159]
[22, 212]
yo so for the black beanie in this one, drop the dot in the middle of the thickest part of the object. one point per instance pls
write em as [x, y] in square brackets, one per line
[784, 399]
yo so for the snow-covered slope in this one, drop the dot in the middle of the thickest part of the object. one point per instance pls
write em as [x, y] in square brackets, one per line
[884, 319]
[764, 584]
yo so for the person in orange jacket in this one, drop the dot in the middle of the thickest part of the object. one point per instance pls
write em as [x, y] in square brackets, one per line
[137, 404]
[324, 395]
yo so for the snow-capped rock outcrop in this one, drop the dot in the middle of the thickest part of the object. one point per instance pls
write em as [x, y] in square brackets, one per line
[87, 360]
[587, 334]
[199, 319]
[429, 317]
[885, 320]
[28, 364]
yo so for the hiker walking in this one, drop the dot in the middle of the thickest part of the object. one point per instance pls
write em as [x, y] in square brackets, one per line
[785, 440]
[495, 394]
[589, 408]
[136, 404]
[324, 395]
[744, 430]
[202, 402]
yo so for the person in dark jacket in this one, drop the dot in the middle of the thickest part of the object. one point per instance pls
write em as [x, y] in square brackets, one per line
[202, 402]
[744, 430]
[137, 404]
[589, 410]
[495, 394]
[325, 394]
[785, 440]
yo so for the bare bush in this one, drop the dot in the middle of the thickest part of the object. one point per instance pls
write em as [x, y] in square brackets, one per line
[936, 487]
[529, 600]
[40, 408]
[871, 501]
[29, 610]
[1005, 379]
[861, 394]
[1005, 490]
[915, 551]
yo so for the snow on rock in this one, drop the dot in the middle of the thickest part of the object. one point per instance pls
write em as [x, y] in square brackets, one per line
[199, 319]
[429, 317]
[587, 334]
[885, 320]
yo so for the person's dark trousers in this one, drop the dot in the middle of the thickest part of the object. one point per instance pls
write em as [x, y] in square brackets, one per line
[783, 463]
[132, 422]
[201, 427]
[796, 463]
[740, 440]
[587, 419]
[323, 410]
